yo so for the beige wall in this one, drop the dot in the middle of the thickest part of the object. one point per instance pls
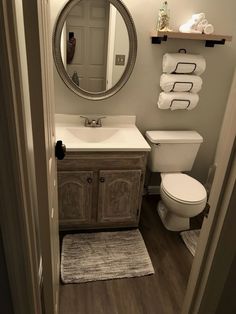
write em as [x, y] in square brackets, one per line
[139, 95]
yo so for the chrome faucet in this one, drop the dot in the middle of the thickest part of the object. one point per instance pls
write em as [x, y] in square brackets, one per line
[94, 123]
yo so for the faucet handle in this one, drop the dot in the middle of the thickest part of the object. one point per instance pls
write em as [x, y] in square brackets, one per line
[84, 117]
[99, 121]
[86, 121]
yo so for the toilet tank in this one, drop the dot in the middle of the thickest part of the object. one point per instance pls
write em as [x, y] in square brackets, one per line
[173, 151]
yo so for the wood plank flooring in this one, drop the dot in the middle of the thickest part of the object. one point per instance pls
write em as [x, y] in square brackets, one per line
[161, 293]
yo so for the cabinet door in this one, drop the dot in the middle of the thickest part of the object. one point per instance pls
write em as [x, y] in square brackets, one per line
[75, 197]
[119, 195]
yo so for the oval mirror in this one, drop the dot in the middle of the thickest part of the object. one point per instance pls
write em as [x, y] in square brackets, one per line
[94, 47]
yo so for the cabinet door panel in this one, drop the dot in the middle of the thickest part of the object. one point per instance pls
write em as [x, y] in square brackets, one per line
[75, 197]
[119, 195]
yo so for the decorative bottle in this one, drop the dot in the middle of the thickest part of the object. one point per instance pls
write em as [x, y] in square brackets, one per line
[164, 17]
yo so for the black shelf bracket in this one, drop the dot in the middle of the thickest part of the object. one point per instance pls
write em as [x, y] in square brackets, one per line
[159, 40]
[212, 43]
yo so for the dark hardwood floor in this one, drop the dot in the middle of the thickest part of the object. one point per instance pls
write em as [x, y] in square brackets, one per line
[161, 293]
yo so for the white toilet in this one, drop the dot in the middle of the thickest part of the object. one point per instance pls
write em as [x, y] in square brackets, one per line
[182, 196]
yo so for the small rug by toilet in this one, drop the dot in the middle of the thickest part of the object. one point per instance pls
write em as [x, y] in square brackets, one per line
[190, 239]
[104, 255]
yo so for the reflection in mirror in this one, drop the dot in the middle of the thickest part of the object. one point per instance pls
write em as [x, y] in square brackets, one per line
[94, 45]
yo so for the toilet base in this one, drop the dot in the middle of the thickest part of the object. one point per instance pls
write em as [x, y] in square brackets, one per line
[170, 220]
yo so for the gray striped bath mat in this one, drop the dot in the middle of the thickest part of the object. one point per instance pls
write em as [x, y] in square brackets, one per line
[190, 239]
[104, 255]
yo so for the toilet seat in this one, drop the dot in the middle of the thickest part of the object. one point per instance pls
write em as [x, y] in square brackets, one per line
[183, 188]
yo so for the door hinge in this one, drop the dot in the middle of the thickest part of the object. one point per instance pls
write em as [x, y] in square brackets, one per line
[206, 210]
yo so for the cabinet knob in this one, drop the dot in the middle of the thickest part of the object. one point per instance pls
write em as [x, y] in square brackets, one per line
[89, 180]
[102, 179]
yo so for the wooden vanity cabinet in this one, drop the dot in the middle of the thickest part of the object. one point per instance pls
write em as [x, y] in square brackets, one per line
[118, 196]
[75, 192]
[100, 190]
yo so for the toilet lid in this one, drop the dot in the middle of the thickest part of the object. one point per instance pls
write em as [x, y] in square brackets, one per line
[183, 188]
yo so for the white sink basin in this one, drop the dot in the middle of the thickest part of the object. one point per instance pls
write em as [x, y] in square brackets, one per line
[95, 135]
[112, 136]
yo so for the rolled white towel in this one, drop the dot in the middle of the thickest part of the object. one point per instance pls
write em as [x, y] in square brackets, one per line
[195, 25]
[180, 83]
[177, 100]
[201, 25]
[208, 29]
[181, 63]
[198, 17]
[188, 28]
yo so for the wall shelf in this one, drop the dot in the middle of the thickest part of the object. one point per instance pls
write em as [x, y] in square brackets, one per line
[158, 37]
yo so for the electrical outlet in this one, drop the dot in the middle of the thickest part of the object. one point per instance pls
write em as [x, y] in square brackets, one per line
[120, 60]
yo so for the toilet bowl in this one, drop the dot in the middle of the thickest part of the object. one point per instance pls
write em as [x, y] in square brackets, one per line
[182, 197]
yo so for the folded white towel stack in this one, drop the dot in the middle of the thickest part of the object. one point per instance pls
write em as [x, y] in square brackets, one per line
[197, 24]
[179, 100]
[180, 83]
[180, 63]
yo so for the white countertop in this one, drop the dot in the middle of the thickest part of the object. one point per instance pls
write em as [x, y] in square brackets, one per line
[118, 133]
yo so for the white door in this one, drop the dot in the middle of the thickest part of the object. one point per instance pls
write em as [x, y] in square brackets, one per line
[49, 120]
[88, 23]
[40, 69]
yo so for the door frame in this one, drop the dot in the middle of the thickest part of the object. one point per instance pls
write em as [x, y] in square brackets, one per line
[110, 46]
[18, 221]
[18, 198]
[213, 229]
